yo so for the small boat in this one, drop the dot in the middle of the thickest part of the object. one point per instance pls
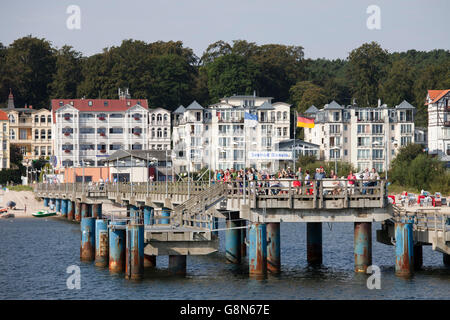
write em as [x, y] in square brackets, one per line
[2, 210]
[7, 215]
[42, 214]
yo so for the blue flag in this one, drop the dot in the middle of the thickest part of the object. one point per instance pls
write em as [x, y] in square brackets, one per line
[250, 120]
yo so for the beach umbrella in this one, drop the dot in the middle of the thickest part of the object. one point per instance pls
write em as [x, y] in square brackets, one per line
[10, 204]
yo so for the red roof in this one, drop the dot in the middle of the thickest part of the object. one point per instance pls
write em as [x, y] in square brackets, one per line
[98, 105]
[436, 95]
[3, 115]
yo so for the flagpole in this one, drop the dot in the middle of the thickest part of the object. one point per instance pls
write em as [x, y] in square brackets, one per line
[293, 147]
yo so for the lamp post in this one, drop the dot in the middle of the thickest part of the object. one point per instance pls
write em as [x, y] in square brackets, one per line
[335, 159]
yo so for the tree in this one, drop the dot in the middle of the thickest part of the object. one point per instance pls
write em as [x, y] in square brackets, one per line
[367, 67]
[230, 74]
[29, 67]
[304, 94]
[68, 73]
[398, 84]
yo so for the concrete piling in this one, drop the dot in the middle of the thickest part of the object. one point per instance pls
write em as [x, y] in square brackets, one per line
[134, 256]
[97, 210]
[233, 239]
[243, 238]
[70, 210]
[149, 261]
[134, 213]
[165, 213]
[77, 211]
[101, 243]
[362, 245]
[84, 210]
[58, 205]
[418, 256]
[314, 243]
[404, 249]
[177, 265]
[446, 259]
[117, 239]
[148, 215]
[64, 207]
[87, 249]
[257, 250]
[273, 247]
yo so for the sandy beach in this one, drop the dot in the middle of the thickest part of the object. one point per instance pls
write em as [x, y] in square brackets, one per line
[27, 204]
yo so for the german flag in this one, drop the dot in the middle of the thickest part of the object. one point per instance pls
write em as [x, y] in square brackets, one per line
[305, 122]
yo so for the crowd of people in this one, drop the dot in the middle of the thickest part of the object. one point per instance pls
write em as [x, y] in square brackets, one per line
[302, 181]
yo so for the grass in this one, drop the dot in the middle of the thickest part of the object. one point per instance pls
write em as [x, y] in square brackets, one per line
[398, 189]
[20, 187]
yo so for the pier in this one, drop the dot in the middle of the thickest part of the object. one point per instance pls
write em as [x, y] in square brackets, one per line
[181, 219]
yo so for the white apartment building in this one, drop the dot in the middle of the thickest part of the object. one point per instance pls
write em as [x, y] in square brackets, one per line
[90, 130]
[438, 102]
[366, 137]
[216, 137]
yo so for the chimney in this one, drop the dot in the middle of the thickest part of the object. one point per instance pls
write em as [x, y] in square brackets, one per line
[379, 103]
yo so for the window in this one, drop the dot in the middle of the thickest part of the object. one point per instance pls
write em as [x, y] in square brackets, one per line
[42, 135]
[345, 127]
[11, 118]
[22, 134]
[42, 151]
[345, 139]
[42, 119]
[36, 151]
[363, 141]
[377, 154]
[115, 146]
[285, 115]
[49, 134]
[165, 132]
[36, 119]
[116, 115]
[159, 133]
[116, 130]
[345, 152]
[335, 153]
[335, 128]
[165, 117]
[87, 130]
[49, 150]
[377, 141]
[363, 154]
[363, 128]
[36, 134]
[105, 103]
[285, 132]
[336, 116]
[153, 132]
[198, 116]
[90, 103]
[67, 147]
[86, 147]
[136, 146]
[405, 141]
[49, 118]
[377, 129]
[406, 128]
[378, 166]
[86, 116]
[4, 145]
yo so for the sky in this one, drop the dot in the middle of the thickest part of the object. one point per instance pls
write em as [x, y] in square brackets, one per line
[324, 28]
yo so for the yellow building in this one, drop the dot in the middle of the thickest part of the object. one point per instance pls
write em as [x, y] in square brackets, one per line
[4, 141]
[30, 130]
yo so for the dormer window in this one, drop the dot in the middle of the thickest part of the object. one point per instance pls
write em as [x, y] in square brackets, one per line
[71, 103]
[61, 103]
[90, 103]
[105, 103]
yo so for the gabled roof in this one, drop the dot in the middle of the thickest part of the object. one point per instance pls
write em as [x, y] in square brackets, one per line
[436, 95]
[265, 106]
[180, 109]
[312, 109]
[194, 106]
[405, 105]
[333, 105]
